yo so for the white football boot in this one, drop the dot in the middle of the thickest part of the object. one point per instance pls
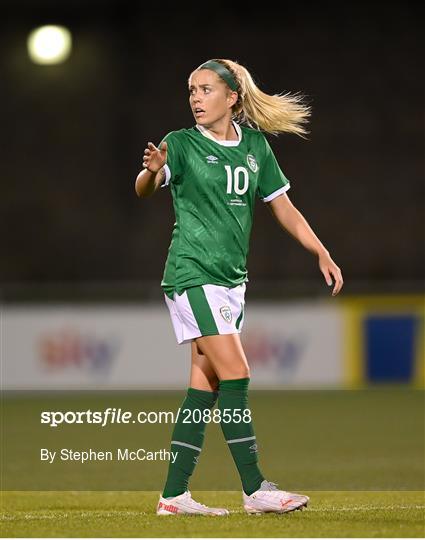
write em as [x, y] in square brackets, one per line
[184, 504]
[268, 498]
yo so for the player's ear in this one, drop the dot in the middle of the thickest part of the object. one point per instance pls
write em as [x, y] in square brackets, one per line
[232, 98]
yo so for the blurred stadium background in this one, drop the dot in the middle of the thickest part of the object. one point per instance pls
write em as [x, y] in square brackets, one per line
[76, 234]
[82, 307]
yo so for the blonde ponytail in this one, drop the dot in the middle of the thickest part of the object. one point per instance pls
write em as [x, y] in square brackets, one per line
[279, 113]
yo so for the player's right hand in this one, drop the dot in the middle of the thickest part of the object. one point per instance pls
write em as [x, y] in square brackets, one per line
[154, 158]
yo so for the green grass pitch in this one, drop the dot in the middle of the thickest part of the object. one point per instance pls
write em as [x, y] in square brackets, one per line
[359, 455]
[132, 514]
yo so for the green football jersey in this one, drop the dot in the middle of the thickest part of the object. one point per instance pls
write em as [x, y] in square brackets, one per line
[213, 185]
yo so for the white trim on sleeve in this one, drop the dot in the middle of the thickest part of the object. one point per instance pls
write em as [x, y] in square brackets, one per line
[276, 193]
[167, 176]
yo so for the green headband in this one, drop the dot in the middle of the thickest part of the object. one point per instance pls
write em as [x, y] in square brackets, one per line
[222, 72]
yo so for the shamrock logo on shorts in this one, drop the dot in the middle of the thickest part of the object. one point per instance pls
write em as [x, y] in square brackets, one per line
[226, 313]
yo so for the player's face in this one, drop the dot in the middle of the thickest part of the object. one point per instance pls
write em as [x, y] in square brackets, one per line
[209, 97]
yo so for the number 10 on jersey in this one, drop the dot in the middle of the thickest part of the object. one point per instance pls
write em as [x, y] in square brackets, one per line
[234, 180]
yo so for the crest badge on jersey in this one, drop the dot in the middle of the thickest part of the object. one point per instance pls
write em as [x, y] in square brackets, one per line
[226, 313]
[252, 162]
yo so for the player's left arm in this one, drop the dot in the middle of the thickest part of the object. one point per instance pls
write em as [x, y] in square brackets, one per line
[291, 219]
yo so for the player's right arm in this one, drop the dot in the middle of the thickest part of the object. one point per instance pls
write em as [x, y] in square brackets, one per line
[153, 173]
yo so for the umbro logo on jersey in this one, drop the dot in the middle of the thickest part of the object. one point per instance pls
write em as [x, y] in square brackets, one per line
[253, 448]
[226, 313]
[212, 159]
[252, 162]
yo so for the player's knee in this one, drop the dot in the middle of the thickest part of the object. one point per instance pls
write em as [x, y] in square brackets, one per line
[212, 381]
[240, 373]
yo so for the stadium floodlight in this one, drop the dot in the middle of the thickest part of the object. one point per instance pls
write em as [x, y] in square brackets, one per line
[49, 44]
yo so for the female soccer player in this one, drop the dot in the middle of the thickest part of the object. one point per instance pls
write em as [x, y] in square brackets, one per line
[214, 170]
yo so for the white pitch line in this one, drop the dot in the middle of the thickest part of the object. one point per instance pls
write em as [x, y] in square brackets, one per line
[114, 513]
[103, 513]
[367, 508]
[351, 509]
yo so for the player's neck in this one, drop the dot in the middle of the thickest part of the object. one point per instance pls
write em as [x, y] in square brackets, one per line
[223, 130]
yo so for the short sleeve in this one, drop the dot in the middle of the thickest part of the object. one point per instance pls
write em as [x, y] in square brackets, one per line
[173, 166]
[271, 182]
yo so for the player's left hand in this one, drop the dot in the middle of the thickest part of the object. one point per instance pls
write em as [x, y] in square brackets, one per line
[330, 269]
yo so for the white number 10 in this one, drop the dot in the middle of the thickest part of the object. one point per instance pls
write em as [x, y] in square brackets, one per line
[235, 177]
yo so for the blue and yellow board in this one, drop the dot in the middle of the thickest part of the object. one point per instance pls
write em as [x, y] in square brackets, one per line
[384, 340]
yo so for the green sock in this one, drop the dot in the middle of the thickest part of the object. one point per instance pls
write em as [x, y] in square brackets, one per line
[239, 435]
[187, 440]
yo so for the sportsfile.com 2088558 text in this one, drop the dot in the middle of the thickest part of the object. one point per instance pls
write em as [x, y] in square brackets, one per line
[113, 415]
